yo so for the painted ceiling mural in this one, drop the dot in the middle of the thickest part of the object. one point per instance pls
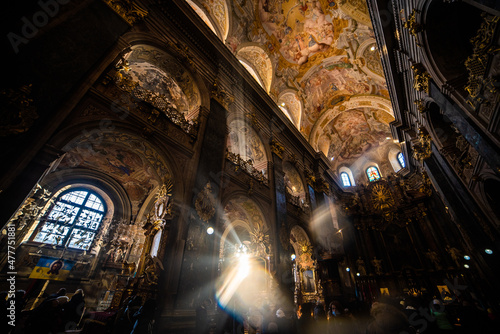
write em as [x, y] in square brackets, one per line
[322, 53]
[133, 164]
[161, 74]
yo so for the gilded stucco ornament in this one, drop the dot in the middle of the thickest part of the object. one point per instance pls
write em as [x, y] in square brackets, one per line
[18, 111]
[421, 107]
[219, 94]
[205, 203]
[128, 10]
[421, 79]
[422, 147]
[277, 148]
[412, 25]
[483, 47]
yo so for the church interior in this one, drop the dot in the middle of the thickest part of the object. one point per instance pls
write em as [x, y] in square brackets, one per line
[226, 155]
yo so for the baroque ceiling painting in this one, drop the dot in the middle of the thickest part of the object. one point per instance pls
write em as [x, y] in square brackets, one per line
[128, 160]
[243, 140]
[313, 58]
[162, 75]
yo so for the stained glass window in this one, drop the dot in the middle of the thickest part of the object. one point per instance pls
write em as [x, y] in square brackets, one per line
[373, 173]
[73, 221]
[401, 160]
[345, 179]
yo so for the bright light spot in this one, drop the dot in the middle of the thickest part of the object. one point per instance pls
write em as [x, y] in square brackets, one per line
[294, 189]
[348, 269]
[332, 158]
[358, 274]
[243, 266]
[488, 251]
[467, 257]
[293, 257]
[466, 266]
[387, 138]
[210, 230]
[372, 48]
[243, 284]
[396, 141]
[282, 104]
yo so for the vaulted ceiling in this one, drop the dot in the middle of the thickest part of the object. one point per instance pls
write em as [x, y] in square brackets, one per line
[319, 61]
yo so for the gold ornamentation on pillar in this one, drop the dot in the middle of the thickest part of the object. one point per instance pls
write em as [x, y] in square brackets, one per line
[422, 148]
[128, 10]
[18, 111]
[421, 107]
[411, 24]
[420, 78]
[483, 47]
[310, 178]
[221, 95]
[277, 148]
[205, 203]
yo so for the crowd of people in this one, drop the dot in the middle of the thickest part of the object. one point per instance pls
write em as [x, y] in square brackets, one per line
[63, 313]
[386, 316]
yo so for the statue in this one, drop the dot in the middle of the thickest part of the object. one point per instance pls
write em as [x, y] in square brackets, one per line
[434, 258]
[361, 266]
[455, 254]
[378, 265]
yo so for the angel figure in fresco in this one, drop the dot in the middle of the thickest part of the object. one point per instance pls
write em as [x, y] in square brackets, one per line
[377, 263]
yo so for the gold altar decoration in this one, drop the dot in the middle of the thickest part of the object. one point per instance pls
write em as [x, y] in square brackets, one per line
[382, 199]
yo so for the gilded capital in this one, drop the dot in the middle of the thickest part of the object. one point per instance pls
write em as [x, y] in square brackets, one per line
[128, 10]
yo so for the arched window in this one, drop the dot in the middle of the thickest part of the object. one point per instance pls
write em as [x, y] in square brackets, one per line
[401, 160]
[73, 221]
[373, 173]
[346, 181]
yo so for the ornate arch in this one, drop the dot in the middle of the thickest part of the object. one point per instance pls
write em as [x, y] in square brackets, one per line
[372, 101]
[254, 56]
[290, 103]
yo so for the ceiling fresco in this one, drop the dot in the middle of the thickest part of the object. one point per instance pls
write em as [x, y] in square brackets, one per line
[128, 160]
[321, 54]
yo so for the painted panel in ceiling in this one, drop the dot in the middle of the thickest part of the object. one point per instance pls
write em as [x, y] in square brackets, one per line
[301, 28]
[261, 63]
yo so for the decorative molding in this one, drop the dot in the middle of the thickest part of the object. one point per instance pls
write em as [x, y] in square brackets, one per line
[277, 148]
[219, 94]
[475, 64]
[246, 165]
[421, 107]
[420, 78]
[128, 10]
[422, 148]
[412, 25]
